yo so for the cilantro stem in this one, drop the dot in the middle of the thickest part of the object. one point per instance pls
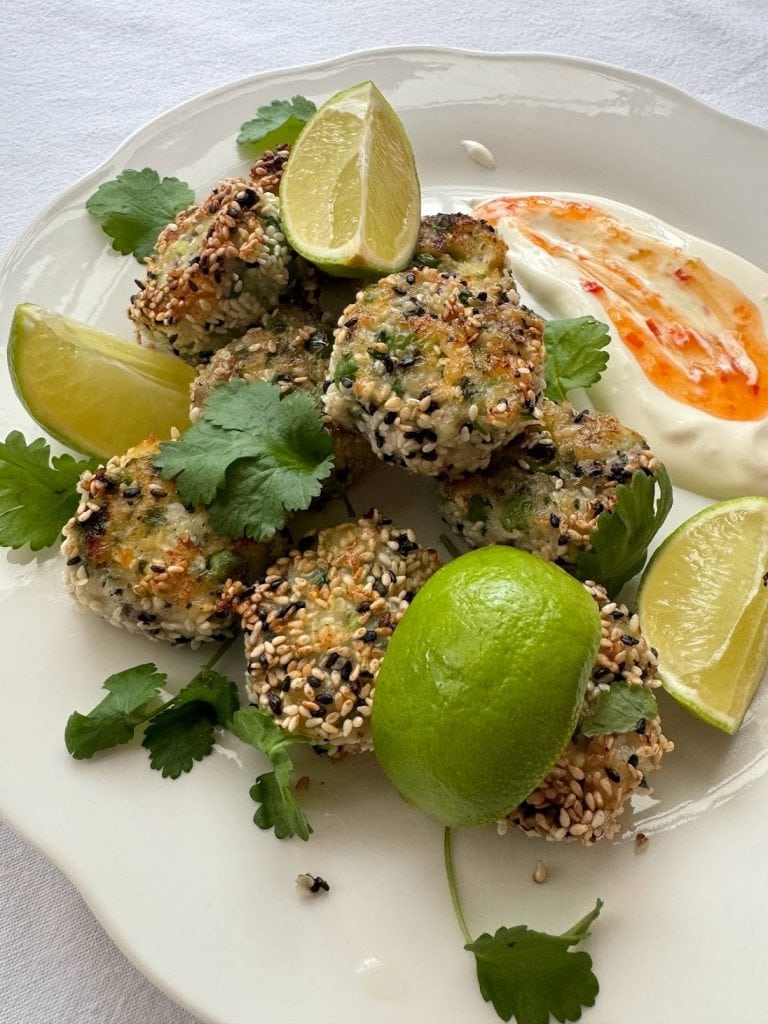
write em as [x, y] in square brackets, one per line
[448, 544]
[453, 885]
[350, 507]
[220, 651]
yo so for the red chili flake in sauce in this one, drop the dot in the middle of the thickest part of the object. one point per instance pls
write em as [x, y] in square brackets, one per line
[591, 286]
[682, 274]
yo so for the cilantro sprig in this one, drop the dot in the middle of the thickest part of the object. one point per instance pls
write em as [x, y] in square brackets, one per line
[279, 808]
[281, 121]
[619, 709]
[136, 206]
[251, 458]
[526, 974]
[180, 730]
[574, 355]
[37, 492]
[622, 535]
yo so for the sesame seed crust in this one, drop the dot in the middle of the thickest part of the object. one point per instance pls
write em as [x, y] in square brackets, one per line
[317, 625]
[583, 796]
[219, 267]
[436, 370]
[136, 556]
[545, 491]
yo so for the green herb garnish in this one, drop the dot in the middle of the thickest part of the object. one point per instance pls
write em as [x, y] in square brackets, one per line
[619, 709]
[279, 122]
[526, 974]
[574, 355]
[279, 808]
[251, 458]
[622, 535]
[136, 206]
[180, 730]
[37, 492]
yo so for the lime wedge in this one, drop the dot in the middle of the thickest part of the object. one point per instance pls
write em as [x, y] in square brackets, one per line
[703, 604]
[94, 392]
[349, 197]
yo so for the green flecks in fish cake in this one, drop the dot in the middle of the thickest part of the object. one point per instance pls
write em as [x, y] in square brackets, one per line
[436, 370]
[318, 623]
[461, 245]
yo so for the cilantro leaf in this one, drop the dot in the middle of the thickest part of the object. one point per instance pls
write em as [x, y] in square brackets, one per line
[129, 702]
[530, 975]
[182, 732]
[279, 808]
[252, 457]
[574, 356]
[619, 709]
[135, 206]
[36, 499]
[178, 737]
[622, 535]
[281, 121]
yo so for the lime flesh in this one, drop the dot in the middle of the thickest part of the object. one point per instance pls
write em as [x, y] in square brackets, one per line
[94, 392]
[349, 198]
[703, 603]
[482, 682]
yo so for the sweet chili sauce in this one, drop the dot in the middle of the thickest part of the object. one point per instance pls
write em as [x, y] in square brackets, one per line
[694, 334]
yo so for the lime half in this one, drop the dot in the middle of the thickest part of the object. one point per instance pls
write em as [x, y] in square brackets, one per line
[349, 198]
[703, 604]
[94, 392]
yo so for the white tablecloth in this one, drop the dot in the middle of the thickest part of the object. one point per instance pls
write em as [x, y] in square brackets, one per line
[77, 78]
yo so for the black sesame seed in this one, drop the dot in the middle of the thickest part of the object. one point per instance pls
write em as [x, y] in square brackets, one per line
[263, 661]
[314, 682]
[390, 418]
[617, 614]
[324, 698]
[363, 608]
[640, 726]
[562, 539]
[146, 617]
[346, 671]
[351, 322]
[74, 560]
[554, 521]
[580, 416]
[275, 703]
[318, 884]
[286, 684]
[633, 760]
[598, 507]
[347, 382]
[332, 658]
[613, 775]
[410, 278]
[631, 641]
[132, 492]
[369, 636]
[397, 290]
[429, 456]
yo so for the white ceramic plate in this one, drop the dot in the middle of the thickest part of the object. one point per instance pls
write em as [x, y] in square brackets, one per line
[201, 900]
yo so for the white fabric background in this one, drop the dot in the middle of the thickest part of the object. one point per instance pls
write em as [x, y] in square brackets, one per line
[78, 77]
